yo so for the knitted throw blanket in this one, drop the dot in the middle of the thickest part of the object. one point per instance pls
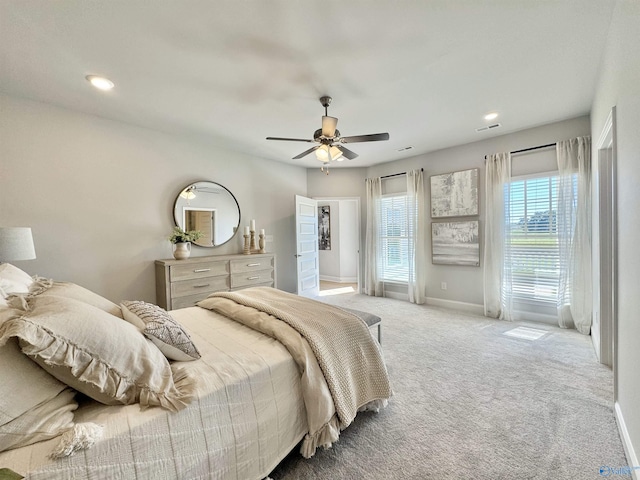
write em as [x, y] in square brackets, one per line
[348, 357]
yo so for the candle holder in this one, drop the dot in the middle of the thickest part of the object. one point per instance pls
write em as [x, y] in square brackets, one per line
[261, 243]
[252, 246]
[247, 249]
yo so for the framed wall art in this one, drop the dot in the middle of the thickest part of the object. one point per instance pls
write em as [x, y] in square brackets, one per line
[454, 194]
[455, 243]
[324, 227]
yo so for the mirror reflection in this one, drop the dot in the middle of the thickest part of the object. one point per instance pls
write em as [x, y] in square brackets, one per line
[210, 208]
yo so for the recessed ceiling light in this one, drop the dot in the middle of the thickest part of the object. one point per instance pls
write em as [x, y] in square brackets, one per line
[100, 82]
[491, 116]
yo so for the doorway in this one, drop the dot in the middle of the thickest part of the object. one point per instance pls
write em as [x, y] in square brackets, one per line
[339, 244]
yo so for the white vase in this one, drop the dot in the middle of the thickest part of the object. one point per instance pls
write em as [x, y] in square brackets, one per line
[182, 250]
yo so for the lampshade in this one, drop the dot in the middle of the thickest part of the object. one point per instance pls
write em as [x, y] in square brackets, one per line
[16, 243]
[322, 153]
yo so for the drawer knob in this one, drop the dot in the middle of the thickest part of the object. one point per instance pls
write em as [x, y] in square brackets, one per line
[200, 270]
[253, 278]
[201, 286]
[253, 264]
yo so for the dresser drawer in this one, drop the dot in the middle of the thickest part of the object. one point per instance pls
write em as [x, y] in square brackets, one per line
[199, 286]
[247, 279]
[268, 284]
[198, 270]
[251, 264]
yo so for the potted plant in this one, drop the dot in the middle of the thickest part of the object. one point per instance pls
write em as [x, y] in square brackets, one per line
[182, 241]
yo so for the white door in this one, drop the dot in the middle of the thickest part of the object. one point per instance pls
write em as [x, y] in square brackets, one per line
[307, 247]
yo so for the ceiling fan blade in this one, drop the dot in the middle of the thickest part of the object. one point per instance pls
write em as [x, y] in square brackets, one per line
[329, 126]
[348, 154]
[290, 139]
[307, 152]
[374, 137]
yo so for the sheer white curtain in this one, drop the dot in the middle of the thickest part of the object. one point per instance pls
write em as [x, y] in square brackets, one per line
[574, 233]
[373, 270]
[417, 244]
[497, 279]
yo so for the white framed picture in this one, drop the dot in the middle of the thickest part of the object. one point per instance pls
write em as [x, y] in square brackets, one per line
[454, 194]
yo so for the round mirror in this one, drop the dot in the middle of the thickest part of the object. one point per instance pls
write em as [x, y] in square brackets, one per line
[210, 208]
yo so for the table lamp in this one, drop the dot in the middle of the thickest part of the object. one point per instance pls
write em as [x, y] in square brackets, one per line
[16, 243]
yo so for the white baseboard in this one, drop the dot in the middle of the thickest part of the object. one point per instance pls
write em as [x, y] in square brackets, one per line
[520, 316]
[626, 443]
[397, 296]
[455, 305]
[329, 278]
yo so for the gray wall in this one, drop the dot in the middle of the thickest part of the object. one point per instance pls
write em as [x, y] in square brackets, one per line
[99, 195]
[464, 284]
[619, 86]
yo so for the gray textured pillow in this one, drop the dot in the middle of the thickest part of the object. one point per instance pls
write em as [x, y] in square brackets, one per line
[162, 329]
[97, 354]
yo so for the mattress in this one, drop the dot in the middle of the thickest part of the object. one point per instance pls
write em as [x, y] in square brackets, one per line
[247, 415]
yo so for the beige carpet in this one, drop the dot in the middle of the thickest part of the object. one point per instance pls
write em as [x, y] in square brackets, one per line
[472, 403]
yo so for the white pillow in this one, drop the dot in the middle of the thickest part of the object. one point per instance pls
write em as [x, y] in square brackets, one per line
[162, 329]
[96, 353]
[32, 404]
[13, 280]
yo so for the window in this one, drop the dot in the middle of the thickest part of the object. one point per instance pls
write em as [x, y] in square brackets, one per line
[394, 237]
[532, 253]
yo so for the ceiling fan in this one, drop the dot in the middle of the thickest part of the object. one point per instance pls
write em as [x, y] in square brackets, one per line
[330, 144]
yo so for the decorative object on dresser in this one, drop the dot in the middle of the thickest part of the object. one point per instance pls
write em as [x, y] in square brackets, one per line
[16, 243]
[210, 208]
[182, 241]
[182, 283]
[249, 245]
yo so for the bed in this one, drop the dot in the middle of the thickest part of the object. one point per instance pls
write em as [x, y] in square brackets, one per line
[250, 402]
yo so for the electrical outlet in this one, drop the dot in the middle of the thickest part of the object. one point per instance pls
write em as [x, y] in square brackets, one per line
[443, 285]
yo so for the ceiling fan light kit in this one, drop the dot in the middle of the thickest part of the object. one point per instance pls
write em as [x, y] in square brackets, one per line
[329, 148]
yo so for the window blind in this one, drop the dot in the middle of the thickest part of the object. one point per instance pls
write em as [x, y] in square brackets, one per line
[532, 254]
[394, 237]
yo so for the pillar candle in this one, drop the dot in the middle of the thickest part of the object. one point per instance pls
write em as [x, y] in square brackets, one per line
[253, 225]
[246, 230]
[262, 231]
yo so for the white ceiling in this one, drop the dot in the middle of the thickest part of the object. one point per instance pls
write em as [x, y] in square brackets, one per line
[238, 71]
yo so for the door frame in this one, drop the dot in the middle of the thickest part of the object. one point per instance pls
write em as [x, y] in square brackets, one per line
[358, 231]
[606, 312]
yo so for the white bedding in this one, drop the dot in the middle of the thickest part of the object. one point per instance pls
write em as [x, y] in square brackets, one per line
[247, 416]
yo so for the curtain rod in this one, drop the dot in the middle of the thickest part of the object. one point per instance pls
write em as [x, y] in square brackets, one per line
[529, 149]
[398, 174]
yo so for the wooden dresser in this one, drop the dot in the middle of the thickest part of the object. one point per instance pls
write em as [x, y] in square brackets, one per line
[182, 283]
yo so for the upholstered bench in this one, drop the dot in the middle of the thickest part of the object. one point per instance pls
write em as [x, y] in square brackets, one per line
[369, 318]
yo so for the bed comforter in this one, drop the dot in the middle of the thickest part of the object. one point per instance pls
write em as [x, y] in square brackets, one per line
[341, 365]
